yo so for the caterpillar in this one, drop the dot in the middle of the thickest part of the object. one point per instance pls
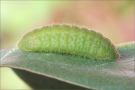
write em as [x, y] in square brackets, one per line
[69, 39]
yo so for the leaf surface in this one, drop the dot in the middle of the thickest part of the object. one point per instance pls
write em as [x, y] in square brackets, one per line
[73, 72]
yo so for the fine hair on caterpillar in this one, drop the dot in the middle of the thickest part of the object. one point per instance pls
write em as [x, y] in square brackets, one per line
[69, 39]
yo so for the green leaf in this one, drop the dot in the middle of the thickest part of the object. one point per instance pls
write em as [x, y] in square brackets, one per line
[52, 70]
[4, 51]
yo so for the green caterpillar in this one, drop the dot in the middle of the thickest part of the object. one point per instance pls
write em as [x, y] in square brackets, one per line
[69, 39]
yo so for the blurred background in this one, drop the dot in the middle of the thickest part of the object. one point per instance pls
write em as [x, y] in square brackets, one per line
[114, 19]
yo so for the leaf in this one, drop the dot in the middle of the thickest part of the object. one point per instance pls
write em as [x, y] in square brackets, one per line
[76, 71]
[4, 51]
